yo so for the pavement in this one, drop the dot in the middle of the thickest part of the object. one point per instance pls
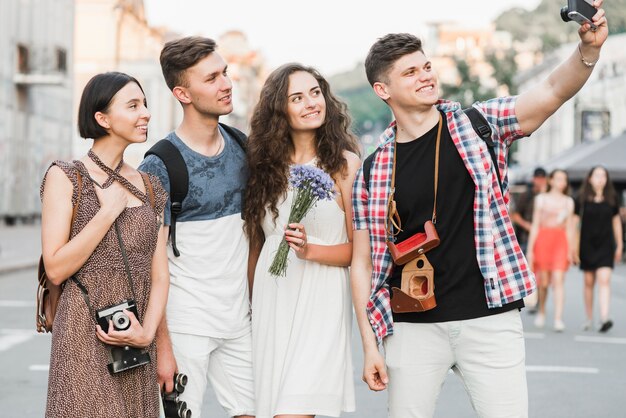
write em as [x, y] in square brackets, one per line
[571, 374]
[20, 247]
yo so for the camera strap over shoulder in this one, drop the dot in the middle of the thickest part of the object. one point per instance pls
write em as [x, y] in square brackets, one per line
[82, 287]
[393, 218]
[417, 291]
[145, 197]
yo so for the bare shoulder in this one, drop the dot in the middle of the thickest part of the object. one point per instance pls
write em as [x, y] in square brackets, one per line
[56, 186]
[57, 179]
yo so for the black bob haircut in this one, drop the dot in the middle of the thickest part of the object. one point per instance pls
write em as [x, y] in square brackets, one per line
[97, 97]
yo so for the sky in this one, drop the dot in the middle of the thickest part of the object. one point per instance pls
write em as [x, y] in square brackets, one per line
[332, 35]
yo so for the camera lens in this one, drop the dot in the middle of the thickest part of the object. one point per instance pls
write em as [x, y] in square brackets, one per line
[183, 412]
[564, 14]
[180, 381]
[121, 321]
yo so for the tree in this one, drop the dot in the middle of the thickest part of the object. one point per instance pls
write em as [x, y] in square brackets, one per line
[469, 89]
[544, 22]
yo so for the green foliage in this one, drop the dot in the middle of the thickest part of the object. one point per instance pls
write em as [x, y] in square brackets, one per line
[504, 69]
[368, 111]
[469, 90]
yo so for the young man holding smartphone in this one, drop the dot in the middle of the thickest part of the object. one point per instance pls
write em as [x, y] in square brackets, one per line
[439, 164]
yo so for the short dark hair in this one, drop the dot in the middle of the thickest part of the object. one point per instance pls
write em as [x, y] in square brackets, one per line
[386, 51]
[97, 97]
[539, 172]
[179, 55]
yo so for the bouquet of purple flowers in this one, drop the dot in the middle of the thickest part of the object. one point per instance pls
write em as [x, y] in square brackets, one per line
[310, 184]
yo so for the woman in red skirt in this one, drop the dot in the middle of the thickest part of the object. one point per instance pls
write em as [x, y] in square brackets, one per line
[550, 244]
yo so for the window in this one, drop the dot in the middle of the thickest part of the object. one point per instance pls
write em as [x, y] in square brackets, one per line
[22, 59]
[61, 60]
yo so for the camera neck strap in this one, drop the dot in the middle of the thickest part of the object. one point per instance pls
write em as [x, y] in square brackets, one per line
[393, 217]
[114, 175]
[82, 287]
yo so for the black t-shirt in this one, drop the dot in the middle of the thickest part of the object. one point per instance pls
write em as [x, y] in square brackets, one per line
[459, 284]
[597, 241]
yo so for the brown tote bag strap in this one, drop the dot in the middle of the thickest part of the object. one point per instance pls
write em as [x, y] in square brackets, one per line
[149, 189]
[79, 184]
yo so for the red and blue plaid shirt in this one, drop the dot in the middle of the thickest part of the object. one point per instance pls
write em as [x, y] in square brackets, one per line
[502, 263]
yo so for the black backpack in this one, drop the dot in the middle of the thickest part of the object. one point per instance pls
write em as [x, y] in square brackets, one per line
[179, 176]
[481, 127]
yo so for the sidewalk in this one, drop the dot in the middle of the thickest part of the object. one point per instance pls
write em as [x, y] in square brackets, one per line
[20, 247]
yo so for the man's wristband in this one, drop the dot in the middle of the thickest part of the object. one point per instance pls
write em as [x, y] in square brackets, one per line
[588, 64]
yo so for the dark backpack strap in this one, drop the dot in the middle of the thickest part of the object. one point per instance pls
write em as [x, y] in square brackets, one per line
[235, 133]
[241, 139]
[482, 128]
[367, 168]
[179, 181]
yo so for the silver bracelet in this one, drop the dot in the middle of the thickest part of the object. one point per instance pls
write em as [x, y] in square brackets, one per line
[584, 61]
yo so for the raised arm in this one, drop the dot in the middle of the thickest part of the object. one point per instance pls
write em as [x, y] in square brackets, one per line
[534, 106]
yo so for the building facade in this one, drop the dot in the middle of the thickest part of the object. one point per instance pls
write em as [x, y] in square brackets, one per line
[113, 35]
[35, 98]
[595, 113]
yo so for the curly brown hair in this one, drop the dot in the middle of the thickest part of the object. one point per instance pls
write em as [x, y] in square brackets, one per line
[270, 144]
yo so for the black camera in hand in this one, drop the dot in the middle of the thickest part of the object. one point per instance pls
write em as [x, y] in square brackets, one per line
[172, 405]
[581, 11]
[121, 358]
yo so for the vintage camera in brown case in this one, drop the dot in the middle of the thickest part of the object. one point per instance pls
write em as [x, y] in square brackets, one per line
[414, 246]
[417, 292]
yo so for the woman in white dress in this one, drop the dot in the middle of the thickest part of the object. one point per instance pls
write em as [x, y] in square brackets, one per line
[301, 323]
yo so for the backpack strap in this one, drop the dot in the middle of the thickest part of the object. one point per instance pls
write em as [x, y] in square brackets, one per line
[235, 133]
[179, 181]
[79, 185]
[482, 128]
[367, 168]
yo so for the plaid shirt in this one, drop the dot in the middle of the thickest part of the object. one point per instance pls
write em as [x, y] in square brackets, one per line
[501, 261]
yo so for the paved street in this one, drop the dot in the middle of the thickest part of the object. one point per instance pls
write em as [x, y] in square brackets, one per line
[574, 374]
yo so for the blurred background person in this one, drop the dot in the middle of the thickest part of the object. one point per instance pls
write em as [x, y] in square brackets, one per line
[522, 215]
[550, 244]
[600, 244]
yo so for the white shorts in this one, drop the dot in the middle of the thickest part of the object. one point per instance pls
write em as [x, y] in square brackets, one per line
[488, 354]
[226, 363]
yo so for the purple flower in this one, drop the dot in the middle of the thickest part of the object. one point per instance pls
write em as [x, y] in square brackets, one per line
[309, 184]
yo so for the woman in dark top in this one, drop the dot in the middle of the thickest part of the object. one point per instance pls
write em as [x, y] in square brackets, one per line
[600, 241]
